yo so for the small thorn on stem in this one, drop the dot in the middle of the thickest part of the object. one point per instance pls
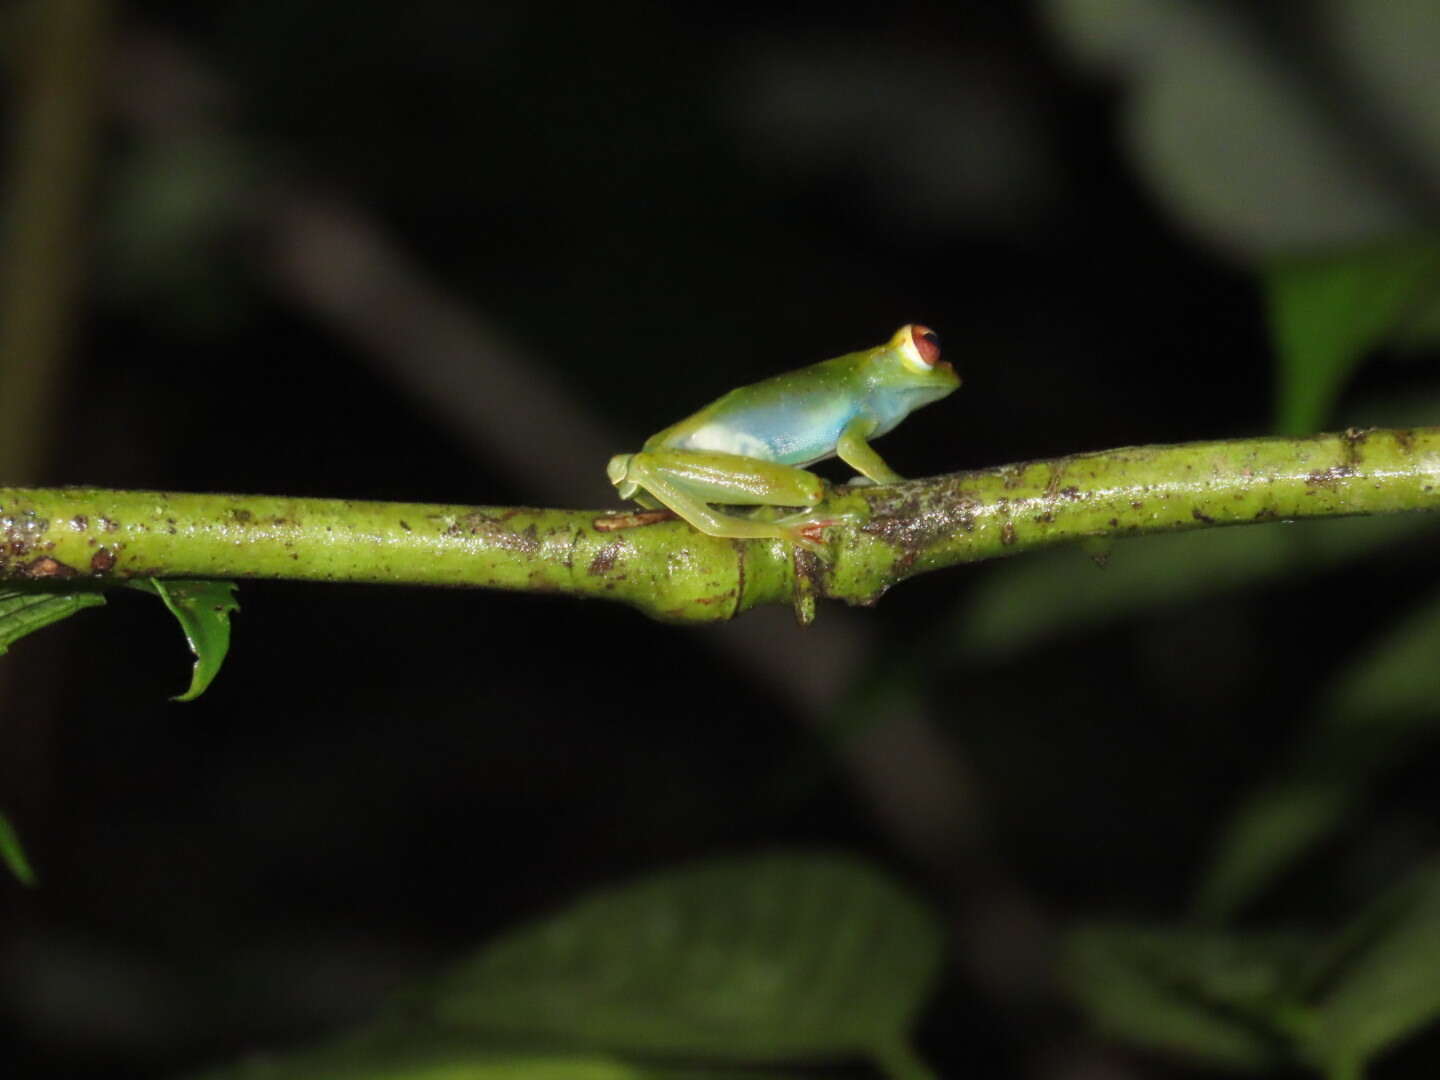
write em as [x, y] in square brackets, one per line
[633, 519]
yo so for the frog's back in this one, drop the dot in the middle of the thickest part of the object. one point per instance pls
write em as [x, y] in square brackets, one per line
[794, 418]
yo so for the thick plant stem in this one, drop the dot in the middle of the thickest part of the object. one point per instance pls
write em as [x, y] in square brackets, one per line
[1143, 490]
[91, 538]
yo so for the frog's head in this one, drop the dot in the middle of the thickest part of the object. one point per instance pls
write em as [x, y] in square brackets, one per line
[911, 362]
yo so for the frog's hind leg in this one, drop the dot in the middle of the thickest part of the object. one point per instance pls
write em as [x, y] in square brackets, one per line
[688, 482]
[700, 513]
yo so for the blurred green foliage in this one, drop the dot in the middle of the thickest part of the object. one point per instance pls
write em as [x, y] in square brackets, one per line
[12, 853]
[784, 957]
[1254, 1002]
[1328, 313]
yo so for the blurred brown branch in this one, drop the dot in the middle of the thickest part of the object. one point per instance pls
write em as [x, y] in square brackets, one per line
[53, 120]
[51, 155]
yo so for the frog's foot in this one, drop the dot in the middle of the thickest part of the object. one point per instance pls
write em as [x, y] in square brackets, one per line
[807, 531]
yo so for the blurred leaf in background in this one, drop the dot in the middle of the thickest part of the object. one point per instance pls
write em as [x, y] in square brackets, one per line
[784, 956]
[1372, 714]
[1258, 1001]
[1273, 130]
[1328, 313]
[1295, 138]
[1218, 998]
[1379, 982]
[12, 853]
[788, 956]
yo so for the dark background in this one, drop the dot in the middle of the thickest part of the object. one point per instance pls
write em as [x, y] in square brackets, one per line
[650, 204]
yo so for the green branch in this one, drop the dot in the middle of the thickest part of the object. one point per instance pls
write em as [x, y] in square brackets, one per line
[669, 571]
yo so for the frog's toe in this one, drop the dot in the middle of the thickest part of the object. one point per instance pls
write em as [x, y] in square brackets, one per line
[810, 533]
[809, 540]
[811, 536]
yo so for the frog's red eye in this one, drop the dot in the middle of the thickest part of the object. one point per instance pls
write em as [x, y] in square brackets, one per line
[927, 344]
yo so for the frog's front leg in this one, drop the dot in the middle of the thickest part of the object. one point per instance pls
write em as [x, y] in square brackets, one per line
[688, 481]
[854, 449]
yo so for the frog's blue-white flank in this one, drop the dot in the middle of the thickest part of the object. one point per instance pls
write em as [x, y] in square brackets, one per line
[747, 448]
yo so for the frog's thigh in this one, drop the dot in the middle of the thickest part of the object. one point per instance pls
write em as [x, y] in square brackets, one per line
[712, 477]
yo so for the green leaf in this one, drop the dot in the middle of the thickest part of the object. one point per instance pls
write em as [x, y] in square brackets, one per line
[13, 854]
[1221, 998]
[1271, 831]
[1386, 982]
[768, 958]
[1328, 312]
[1372, 713]
[203, 609]
[23, 611]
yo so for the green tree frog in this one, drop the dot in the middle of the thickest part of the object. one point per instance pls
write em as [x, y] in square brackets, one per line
[747, 448]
